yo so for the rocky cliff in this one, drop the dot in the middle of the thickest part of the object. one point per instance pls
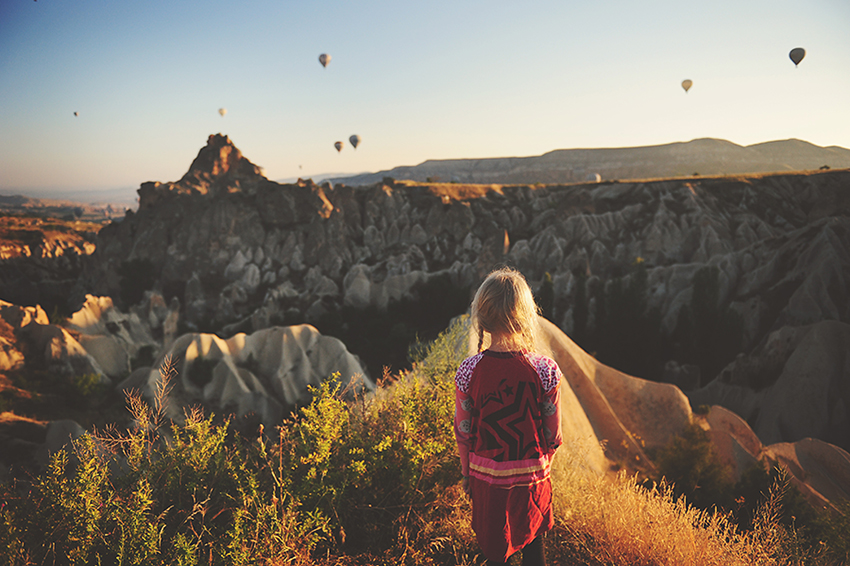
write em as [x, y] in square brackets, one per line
[41, 257]
[669, 279]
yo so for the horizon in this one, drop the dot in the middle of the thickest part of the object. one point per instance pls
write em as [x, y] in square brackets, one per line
[124, 195]
[477, 81]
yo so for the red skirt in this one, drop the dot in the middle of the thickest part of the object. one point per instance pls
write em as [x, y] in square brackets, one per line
[506, 518]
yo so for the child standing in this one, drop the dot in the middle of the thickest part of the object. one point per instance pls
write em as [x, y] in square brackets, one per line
[507, 423]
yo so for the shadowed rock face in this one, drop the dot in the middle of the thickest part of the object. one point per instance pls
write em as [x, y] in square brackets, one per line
[259, 248]
[810, 398]
[242, 253]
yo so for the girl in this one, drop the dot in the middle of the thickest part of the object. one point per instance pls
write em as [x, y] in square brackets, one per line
[507, 423]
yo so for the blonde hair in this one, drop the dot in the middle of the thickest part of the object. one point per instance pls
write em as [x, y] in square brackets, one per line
[504, 304]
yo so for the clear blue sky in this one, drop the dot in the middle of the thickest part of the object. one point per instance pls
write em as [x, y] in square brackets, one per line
[416, 80]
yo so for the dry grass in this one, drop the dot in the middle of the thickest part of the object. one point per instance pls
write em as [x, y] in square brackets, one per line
[616, 520]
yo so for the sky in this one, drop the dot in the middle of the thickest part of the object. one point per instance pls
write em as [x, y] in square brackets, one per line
[415, 80]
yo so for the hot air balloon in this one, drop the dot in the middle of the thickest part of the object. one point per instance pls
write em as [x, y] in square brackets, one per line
[76, 113]
[338, 146]
[324, 59]
[355, 140]
[797, 55]
[687, 84]
[222, 111]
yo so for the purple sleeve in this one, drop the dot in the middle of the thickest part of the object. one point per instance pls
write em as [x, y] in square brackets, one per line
[550, 404]
[463, 411]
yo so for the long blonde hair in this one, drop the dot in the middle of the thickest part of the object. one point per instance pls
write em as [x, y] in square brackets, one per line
[504, 304]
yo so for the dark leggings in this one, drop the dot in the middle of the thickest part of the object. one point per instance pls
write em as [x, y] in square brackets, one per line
[532, 554]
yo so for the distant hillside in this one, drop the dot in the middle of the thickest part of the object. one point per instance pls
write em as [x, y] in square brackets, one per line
[68, 210]
[697, 157]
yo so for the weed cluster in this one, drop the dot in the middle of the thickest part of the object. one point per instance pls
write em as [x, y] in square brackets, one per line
[374, 477]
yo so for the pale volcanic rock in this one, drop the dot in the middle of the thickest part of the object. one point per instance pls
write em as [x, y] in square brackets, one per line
[266, 373]
[357, 287]
[60, 352]
[819, 470]
[18, 317]
[90, 318]
[597, 228]
[114, 338]
[611, 417]
[625, 412]
[803, 385]
[10, 356]
[824, 467]
[236, 267]
[734, 441]
[52, 346]
[110, 354]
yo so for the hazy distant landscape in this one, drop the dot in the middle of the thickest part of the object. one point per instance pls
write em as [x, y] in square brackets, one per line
[704, 157]
[700, 157]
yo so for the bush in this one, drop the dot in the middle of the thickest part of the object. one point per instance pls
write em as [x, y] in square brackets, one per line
[376, 469]
[690, 465]
[382, 469]
[87, 384]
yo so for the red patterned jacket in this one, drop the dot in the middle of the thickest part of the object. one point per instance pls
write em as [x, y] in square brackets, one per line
[508, 426]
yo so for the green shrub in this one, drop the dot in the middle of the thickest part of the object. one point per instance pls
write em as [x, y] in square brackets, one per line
[689, 463]
[382, 469]
[383, 460]
[87, 384]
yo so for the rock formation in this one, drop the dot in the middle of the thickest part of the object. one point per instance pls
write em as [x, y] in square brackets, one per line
[261, 377]
[41, 258]
[809, 398]
[614, 418]
[116, 340]
[697, 270]
[26, 444]
[266, 374]
[44, 345]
